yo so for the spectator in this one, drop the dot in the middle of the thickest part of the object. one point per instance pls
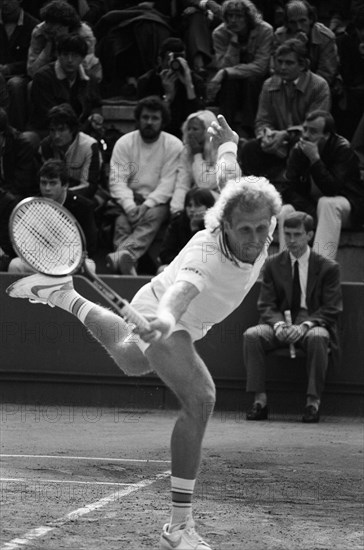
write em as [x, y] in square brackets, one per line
[88, 10]
[198, 18]
[185, 224]
[308, 285]
[63, 81]
[243, 47]
[143, 173]
[16, 27]
[350, 106]
[128, 42]
[173, 80]
[60, 19]
[7, 203]
[53, 184]
[79, 150]
[197, 160]
[18, 166]
[323, 179]
[284, 102]
[300, 22]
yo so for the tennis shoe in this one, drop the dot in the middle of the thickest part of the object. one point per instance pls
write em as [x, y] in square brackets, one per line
[39, 288]
[184, 538]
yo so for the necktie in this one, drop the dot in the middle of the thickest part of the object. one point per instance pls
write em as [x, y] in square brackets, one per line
[296, 291]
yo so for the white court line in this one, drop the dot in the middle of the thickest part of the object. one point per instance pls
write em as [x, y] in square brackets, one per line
[31, 480]
[39, 532]
[61, 457]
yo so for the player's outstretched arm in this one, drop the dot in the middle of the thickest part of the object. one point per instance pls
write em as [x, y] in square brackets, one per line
[220, 132]
[172, 306]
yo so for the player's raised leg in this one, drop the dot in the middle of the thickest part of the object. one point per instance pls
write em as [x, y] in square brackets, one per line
[107, 328]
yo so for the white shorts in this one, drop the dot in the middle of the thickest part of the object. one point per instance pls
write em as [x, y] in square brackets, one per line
[146, 302]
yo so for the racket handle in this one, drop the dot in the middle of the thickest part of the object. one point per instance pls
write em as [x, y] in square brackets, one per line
[134, 316]
[288, 319]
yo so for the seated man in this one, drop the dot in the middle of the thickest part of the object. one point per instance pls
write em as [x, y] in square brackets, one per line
[308, 285]
[173, 80]
[300, 22]
[80, 151]
[286, 98]
[63, 81]
[323, 179]
[18, 166]
[243, 46]
[53, 184]
[16, 27]
[143, 172]
[58, 20]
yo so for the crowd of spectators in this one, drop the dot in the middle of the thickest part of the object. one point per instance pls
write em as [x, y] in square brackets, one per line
[287, 75]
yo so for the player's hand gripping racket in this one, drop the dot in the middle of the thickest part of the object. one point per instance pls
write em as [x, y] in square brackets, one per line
[49, 239]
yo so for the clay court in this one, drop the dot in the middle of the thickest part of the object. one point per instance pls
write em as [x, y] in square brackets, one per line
[82, 478]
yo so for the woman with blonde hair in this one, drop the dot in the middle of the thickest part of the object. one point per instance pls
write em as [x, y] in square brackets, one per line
[197, 161]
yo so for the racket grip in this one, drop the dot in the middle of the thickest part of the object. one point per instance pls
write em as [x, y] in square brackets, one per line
[288, 319]
[134, 316]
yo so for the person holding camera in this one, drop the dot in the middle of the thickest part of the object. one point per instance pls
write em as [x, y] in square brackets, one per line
[173, 80]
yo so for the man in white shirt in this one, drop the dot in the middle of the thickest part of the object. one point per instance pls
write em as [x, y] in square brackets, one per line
[203, 285]
[143, 170]
[307, 285]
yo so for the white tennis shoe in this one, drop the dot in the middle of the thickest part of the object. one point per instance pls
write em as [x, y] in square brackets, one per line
[185, 538]
[39, 288]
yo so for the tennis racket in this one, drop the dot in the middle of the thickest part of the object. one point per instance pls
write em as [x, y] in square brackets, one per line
[50, 240]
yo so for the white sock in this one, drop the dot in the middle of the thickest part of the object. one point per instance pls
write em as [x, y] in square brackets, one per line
[71, 301]
[182, 491]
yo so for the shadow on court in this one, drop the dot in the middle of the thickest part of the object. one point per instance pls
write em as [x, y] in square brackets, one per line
[98, 479]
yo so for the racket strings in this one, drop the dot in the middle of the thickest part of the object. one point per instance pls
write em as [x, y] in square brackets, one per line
[47, 238]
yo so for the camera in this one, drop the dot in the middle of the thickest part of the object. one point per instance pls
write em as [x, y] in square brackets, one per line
[174, 63]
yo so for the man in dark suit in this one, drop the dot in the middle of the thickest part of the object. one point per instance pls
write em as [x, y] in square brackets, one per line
[308, 286]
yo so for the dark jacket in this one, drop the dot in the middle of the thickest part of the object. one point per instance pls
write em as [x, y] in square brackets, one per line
[7, 203]
[323, 293]
[14, 50]
[18, 167]
[51, 88]
[337, 173]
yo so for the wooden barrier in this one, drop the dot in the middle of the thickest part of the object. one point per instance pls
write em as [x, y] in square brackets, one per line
[47, 356]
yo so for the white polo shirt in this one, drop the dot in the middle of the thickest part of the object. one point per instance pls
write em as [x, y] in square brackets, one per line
[223, 281]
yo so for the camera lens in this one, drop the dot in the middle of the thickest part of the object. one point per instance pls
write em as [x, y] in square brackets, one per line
[175, 65]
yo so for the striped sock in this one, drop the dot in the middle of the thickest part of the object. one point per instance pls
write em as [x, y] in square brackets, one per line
[71, 301]
[182, 491]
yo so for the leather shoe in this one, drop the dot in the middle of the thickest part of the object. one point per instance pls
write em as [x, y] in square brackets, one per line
[257, 412]
[311, 415]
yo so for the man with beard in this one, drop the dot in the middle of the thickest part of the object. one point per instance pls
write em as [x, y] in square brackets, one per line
[143, 171]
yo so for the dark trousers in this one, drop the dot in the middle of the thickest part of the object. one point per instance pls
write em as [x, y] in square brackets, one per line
[260, 339]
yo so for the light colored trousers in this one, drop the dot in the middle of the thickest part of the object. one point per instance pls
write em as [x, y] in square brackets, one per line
[138, 238]
[333, 213]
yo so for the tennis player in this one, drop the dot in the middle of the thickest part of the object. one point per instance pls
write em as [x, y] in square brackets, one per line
[202, 286]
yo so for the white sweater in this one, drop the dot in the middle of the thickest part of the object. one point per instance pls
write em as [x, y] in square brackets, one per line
[149, 169]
